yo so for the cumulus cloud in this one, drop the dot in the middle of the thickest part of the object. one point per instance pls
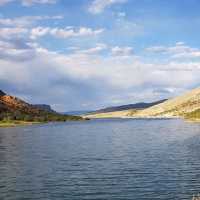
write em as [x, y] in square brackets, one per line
[64, 33]
[8, 33]
[16, 50]
[98, 6]
[122, 51]
[92, 77]
[179, 50]
[88, 78]
[112, 50]
[26, 21]
[98, 48]
[32, 2]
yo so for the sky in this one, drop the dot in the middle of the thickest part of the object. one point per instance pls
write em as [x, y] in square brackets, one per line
[88, 54]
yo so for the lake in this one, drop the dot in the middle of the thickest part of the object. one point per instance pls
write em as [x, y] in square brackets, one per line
[101, 159]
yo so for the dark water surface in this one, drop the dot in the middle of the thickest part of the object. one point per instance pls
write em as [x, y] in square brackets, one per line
[101, 159]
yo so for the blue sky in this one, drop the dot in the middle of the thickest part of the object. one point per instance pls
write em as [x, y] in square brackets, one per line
[87, 54]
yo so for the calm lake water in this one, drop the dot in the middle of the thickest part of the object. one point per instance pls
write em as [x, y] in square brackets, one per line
[101, 159]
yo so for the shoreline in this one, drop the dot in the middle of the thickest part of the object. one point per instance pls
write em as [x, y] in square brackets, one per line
[134, 117]
[192, 120]
[17, 123]
[24, 123]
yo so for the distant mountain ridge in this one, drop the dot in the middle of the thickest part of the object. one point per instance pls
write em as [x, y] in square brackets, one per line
[121, 111]
[77, 112]
[44, 107]
[137, 106]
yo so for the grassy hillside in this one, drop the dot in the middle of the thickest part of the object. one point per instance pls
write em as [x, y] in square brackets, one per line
[176, 107]
[115, 114]
[195, 115]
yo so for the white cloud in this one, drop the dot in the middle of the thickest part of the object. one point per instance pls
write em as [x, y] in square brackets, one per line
[9, 33]
[157, 49]
[64, 33]
[26, 20]
[125, 75]
[180, 50]
[98, 6]
[180, 43]
[98, 48]
[122, 51]
[114, 77]
[32, 2]
[114, 51]
[88, 77]
[39, 32]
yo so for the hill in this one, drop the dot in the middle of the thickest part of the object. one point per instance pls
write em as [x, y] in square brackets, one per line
[44, 107]
[186, 105]
[77, 112]
[15, 109]
[177, 107]
[136, 106]
[121, 111]
[194, 116]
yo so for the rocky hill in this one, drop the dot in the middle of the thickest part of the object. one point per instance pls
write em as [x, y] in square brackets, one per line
[11, 104]
[13, 108]
[44, 107]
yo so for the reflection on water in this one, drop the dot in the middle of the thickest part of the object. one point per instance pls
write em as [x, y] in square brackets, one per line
[101, 159]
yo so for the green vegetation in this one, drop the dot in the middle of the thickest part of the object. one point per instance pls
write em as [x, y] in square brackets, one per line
[20, 118]
[195, 115]
[12, 123]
